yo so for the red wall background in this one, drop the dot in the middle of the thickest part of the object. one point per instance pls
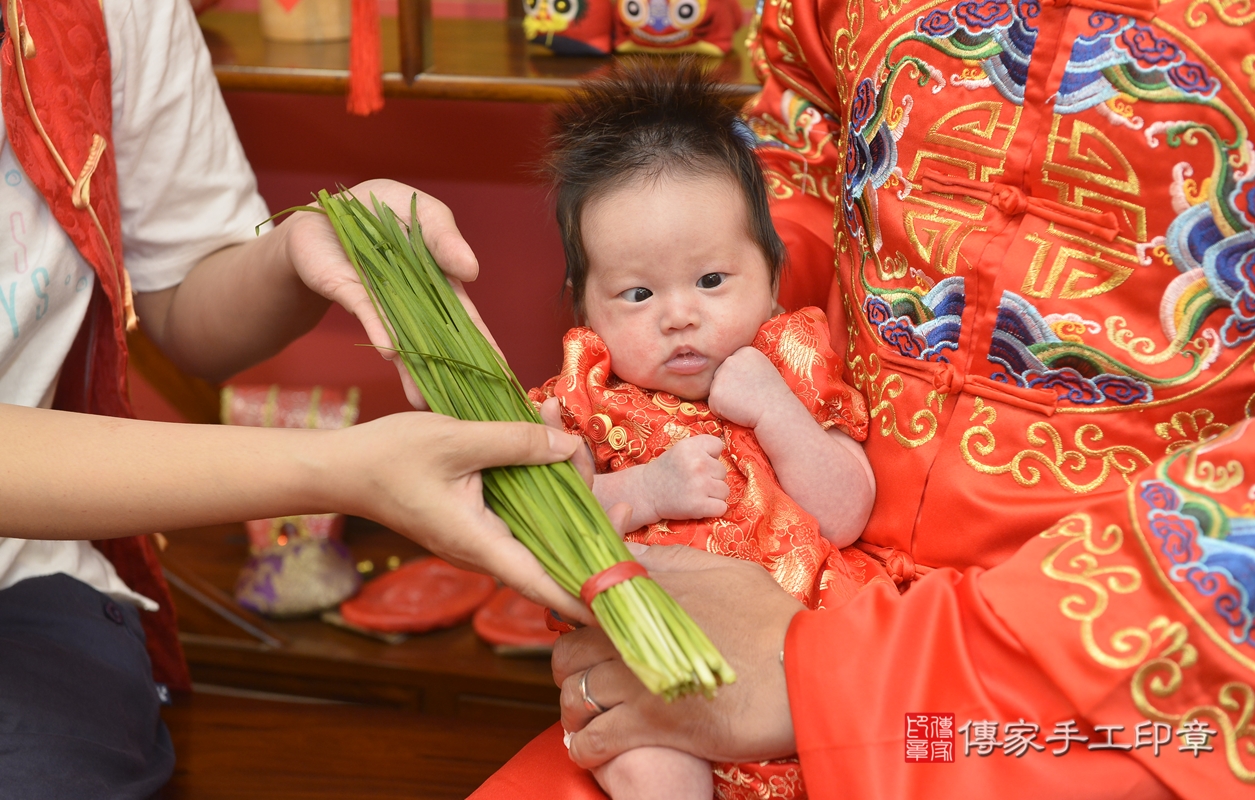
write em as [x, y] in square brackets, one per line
[479, 158]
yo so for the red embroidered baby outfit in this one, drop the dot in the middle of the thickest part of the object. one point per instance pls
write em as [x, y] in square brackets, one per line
[627, 426]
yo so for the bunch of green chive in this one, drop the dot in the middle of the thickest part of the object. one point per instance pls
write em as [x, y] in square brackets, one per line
[548, 508]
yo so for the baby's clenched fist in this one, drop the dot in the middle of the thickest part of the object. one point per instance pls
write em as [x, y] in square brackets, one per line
[688, 481]
[745, 386]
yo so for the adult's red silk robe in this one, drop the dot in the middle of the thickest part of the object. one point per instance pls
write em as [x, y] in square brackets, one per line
[1042, 220]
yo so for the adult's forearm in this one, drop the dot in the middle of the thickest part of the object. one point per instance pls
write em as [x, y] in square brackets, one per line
[75, 476]
[235, 308]
[826, 476]
[79, 476]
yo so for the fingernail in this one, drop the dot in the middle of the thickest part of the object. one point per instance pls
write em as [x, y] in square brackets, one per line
[559, 442]
[636, 548]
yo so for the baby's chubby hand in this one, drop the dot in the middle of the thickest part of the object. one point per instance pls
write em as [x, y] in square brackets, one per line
[688, 481]
[745, 386]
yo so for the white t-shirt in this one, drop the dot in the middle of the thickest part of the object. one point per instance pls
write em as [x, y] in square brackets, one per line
[186, 190]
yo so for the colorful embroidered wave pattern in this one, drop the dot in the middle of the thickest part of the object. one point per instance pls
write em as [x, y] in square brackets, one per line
[895, 317]
[1211, 241]
[1208, 549]
[876, 126]
[1026, 346]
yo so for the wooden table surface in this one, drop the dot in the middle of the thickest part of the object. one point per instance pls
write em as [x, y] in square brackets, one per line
[230, 747]
[474, 59]
[449, 673]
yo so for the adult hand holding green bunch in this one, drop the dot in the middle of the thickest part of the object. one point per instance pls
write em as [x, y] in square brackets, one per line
[548, 508]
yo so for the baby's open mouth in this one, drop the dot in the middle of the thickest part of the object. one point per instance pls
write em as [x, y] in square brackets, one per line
[687, 362]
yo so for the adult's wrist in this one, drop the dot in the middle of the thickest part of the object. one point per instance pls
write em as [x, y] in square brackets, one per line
[795, 667]
[284, 240]
[324, 473]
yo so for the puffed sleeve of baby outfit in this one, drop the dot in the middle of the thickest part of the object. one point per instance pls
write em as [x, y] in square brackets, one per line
[543, 392]
[585, 371]
[798, 345]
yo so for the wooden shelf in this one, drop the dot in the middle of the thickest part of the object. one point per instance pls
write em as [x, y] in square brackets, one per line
[473, 59]
[450, 673]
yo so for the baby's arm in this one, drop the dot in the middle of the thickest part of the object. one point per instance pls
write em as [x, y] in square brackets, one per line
[825, 472]
[686, 482]
[656, 773]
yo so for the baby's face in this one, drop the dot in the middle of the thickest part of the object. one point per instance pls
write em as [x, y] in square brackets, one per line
[675, 283]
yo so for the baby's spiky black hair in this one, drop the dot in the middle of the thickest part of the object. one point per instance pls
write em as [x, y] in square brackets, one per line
[644, 119]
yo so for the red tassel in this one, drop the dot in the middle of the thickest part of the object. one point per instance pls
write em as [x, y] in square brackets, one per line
[365, 60]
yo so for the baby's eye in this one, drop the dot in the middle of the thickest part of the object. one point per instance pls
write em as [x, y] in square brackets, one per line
[638, 295]
[710, 280]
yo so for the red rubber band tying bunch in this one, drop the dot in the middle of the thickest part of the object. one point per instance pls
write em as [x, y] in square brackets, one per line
[612, 576]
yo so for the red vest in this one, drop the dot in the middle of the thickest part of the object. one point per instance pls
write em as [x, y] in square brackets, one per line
[58, 114]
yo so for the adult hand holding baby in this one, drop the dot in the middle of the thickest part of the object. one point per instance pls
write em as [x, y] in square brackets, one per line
[745, 613]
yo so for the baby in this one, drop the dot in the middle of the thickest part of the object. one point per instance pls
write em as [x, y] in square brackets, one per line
[724, 427]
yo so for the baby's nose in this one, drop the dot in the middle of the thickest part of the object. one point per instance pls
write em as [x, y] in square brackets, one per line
[680, 313]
